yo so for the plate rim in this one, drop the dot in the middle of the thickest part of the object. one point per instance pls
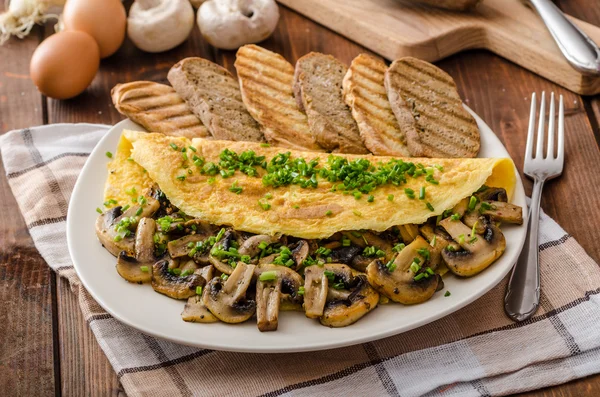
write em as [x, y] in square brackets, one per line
[71, 227]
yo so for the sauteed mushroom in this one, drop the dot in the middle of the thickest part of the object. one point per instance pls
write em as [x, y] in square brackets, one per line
[138, 269]
[272, 283]
[108, 222]
[479, 251]
[337, 295]
[167, 282]
[492, 194]
[300, 253]
[409, 279]
[251, 246]
[498, 211]
[223, 246]
[353, 297]
[227, 299]
[408, 232]
[195, 311]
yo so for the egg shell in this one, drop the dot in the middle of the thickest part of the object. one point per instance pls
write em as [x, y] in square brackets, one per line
[64, 64]
[104, 20]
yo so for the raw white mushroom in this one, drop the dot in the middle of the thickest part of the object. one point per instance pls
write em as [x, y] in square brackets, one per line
[229, 24]
[159, 25]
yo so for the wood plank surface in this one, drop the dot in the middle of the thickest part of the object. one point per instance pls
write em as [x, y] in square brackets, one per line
[26, 342]
[496, 89]
[509, 28]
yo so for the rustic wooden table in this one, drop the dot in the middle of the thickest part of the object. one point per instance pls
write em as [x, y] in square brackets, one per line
[46, 346]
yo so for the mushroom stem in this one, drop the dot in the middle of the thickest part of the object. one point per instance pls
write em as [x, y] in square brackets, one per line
[315, 291]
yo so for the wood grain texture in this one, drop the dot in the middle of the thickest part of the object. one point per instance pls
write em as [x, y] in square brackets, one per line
[496, 89]
[85, 370]
[506, 27]
[26, 343]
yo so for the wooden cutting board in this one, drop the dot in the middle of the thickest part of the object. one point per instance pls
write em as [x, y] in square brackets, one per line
[509, 28]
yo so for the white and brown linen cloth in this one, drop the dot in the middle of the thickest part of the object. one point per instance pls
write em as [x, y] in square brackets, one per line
[477, 351]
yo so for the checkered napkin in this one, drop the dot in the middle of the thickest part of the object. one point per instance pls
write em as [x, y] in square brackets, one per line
[477, 351]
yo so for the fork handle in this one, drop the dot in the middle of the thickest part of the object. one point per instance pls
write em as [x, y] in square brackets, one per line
[523, 292]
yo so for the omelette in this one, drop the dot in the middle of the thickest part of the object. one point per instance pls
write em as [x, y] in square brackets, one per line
[247, 203]
[243, 229]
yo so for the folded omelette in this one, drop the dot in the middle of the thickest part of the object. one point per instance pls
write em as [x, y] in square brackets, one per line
[268, 190]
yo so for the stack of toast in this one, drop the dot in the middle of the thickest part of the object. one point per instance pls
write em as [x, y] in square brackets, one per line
[408, 109]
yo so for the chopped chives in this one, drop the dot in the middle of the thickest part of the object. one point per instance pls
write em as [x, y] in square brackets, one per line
[181, 178]
[371, 198]
[235, 188]
[264, 206]
[265, 145]
[398, 247]
[420, 276]
[429, 270]
[139, 211]
[357, 195]
[184, 155]
[118, 238]
[268, 276]
[357, 213]
[391, 266]
[447, 294]
[98, 210]
[414, 267]
[268, 196]
[390, 197]
[129, 159]
[193, 149]
[301, 290]
[173, 146]
[409, 192]
[433, 240]
[329, 213]
[472, 203]
[473, 229]
[422, 193]
[109, 155]
[461, 238]
[144, 269]
[484, 207]
[224, 277]
[455, 217]
[198, 290]
[346, 242]
[429, 206]
[125, 208]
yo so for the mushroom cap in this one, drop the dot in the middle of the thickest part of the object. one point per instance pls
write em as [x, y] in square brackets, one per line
[227, 299]
[399, 285]
[105, 230]
[343, 312]
[475, 256]
[172, 285]
[195, 311]
[229, 24]
[130, 268]
[157, 26]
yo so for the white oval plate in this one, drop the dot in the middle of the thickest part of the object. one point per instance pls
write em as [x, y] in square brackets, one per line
[155, 314]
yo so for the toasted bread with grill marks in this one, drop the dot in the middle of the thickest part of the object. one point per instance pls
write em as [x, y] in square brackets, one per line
[157, 108]
[426, 103]
[213, 95]
[266, 81]
[318, 91]
[365, 94]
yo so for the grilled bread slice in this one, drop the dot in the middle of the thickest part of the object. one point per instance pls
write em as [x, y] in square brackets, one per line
[318, 91]
[426, 103]
[266, 81]
[213, 95]
[364, 92]
[157, 108]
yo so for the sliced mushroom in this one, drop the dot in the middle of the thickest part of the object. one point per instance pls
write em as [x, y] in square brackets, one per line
[225, 243]
[315, 291]
[438, 239]
[173, 285]
[492, 194]
[345, 255]
[300, 253]
[408, 232]
[360, 262]
[138, 269]
[341, 312]
[107, 222]
[195, 311]
[105, 230]
[227, 299]
[206, 272]
[498, 211]
[270, 293]
[188, 267]
[399, 284]
[478, 252]
[180, 246]
[250, 246]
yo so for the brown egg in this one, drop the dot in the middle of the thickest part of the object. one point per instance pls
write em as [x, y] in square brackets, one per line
[104, 20]
[64, 64]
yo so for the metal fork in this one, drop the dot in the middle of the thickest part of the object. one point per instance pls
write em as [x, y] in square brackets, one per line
[523, 293]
